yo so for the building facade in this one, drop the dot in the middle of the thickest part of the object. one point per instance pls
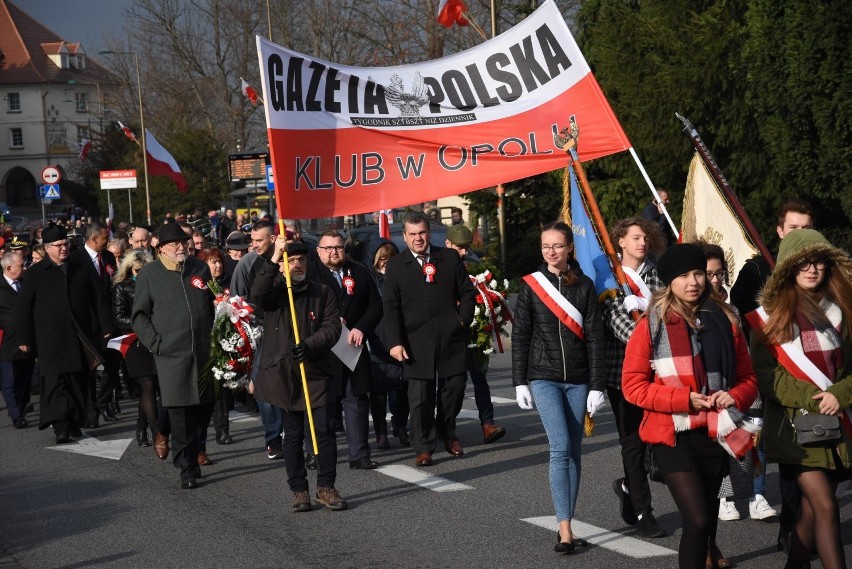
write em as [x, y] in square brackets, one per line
[52, 103]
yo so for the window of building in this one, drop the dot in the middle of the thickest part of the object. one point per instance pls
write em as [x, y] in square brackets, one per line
[81, 102]
[16, 138]
[14, 100]
[81, 61]
[83, 133]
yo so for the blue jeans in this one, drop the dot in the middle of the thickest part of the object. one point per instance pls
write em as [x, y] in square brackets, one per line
[760, 479]
[562, 407]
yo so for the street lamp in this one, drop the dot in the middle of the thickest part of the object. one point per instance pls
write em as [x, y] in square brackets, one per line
[141, 121]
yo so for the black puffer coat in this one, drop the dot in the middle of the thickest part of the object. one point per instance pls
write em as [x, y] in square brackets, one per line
[544, 348]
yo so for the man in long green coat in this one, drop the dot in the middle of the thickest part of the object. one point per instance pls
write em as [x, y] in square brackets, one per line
[173, 317]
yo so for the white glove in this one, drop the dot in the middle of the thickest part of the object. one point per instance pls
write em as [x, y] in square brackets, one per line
[634, 302]
[757, 421]
[523, 397]
[594, 402]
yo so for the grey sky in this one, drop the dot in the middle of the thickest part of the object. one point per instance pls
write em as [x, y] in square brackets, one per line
[91, 22]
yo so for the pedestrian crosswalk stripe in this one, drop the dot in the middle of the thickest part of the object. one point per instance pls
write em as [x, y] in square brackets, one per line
[239, 417]
[617, 542]
[423, 479]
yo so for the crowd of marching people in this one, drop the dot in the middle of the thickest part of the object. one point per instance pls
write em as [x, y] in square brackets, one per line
[706, 386]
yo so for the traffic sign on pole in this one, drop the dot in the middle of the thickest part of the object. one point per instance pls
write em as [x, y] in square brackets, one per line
[49, 191]
[270, 180]
[51, 175]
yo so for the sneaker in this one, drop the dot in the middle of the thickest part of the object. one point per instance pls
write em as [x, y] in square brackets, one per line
[626, 509]
[330, 498]
[302, 501]
[647, 526]
[759, 508]
[274, 451]
[728, 511]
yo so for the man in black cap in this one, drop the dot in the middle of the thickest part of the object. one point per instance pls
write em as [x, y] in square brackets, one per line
[279, 382]
[236, 245]
[173, 317]
[52, 316]
[460, 238]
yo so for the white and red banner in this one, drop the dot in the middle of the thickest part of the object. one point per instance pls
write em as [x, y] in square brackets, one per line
[347, 140]
[162, 163]
[707, 215]
[566, 312]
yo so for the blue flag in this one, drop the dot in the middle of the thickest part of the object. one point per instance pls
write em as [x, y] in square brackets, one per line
[587, 249]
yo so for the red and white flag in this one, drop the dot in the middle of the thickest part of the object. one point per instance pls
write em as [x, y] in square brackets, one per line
[127, 132]
[384, 223]
[249, 92]
[85, 148]
[122, 343]
[161, 163]
[452, 12]
[348, 140]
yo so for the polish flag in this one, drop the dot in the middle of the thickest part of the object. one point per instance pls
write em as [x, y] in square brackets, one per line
[127, 132]
[85, 148]
[384, 223]
[450, 12]
[122, 343]
[161, 163]
[249, 92]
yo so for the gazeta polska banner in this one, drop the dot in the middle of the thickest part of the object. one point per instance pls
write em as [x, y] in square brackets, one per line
[346, 140]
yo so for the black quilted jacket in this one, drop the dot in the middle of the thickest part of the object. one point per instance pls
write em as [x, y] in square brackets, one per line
[544, 348]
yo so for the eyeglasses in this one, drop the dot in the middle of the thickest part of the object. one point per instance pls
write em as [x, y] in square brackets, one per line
[176, 244]
[721, 275]
[554, 248]
[331, 248]
[807, 264]
[294, 260]
[59, 245]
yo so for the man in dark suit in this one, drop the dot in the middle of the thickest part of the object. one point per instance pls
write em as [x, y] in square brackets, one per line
[16, 367]
[360, 308]
[428, 306]
[96, 267]
[52, 318]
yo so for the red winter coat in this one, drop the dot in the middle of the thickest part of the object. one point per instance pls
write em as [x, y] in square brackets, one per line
[640, 386]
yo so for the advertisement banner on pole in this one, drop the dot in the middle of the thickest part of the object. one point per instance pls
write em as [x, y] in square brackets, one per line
[118, 179]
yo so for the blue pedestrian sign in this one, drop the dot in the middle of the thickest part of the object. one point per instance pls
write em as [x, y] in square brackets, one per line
[49, 191]
[270, 181]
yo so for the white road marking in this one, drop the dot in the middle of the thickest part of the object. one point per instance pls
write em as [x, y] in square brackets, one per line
[91, 446]
[617, 542]
[502, 400]
[240, 417]
[421, 478]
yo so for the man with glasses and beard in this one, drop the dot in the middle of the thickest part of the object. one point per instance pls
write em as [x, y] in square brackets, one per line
[173, 317]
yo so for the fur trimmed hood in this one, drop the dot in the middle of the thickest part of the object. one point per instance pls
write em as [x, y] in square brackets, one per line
[795, 247]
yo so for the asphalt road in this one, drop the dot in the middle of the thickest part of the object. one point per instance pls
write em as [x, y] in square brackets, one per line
[489, 509]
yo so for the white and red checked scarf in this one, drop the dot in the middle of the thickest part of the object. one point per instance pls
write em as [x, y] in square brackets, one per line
[823, 346]
[706, 359]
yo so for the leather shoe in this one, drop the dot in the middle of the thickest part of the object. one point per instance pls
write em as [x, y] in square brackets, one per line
[362, 463]
[715, 559]
[453, 446]
[161, 446]
[223, 438]
[404, 440]
[492, 433]
[92, 423]
[62, 438]
[382, 442]
[75, 432]
[108, 416]
[189, 484]
[20, 422]
[28, 408]
[203, 459]
[424, 459]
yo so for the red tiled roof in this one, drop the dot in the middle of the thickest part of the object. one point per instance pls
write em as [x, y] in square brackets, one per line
[25, 45]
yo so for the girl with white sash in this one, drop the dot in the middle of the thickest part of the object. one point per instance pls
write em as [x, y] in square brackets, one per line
[802, 353]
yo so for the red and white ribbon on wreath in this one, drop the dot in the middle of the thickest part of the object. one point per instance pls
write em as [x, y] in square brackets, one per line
[488, 298]
[429, 270]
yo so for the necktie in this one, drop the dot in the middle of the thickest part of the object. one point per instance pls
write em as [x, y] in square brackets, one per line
[337, 277]
[100, 264]
[16, 285]
[421, 259]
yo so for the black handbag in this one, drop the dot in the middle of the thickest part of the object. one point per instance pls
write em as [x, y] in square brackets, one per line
[814, 429]
[651, 466]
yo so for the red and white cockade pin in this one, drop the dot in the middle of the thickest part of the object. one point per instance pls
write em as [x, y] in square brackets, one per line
[349, 284]
[197, 282]
[110, 270]
[429, 270]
